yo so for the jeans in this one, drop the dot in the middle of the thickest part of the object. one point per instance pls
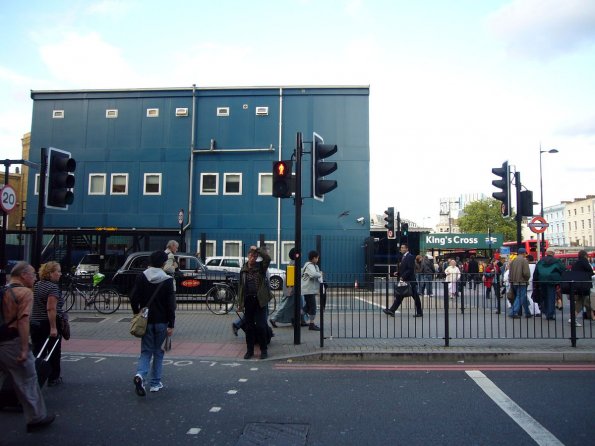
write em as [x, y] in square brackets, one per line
[520, 298]
[425, 284]
[548, 293]
[150, 347]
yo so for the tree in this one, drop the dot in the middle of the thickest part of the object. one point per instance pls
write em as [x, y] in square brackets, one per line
[479, 216]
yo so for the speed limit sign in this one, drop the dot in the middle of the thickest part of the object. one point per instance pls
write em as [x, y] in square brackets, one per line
[8, 198]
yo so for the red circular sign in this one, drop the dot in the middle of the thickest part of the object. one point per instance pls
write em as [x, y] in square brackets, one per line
[538, 224]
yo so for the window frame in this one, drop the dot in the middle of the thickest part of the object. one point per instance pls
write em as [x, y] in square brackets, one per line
[98, 175]
[159, 183]
[202, 177]
[261, 177]
[226, 243]
[118, 174]
[229, 174]
[285, 248]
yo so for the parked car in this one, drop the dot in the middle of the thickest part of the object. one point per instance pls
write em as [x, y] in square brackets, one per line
[193, 278]
[89, 264]
[234, 264]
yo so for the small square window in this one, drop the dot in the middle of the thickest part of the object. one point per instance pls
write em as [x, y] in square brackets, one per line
[152, 112]
[265, 184]
[97, 184]
[222, 111]
[36, 186]
[209, 183]
[233, 184]
[111, 113]
[181, 112]
[232, 248]
[119, 184]
[152, 184]
[58, 114]
[210, 248]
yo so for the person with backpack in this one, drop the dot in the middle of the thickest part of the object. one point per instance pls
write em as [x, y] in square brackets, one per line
[310, 287]
[548, 274]
[16, 358]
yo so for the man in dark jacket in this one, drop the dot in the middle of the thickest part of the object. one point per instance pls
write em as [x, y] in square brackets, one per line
[161, 319]
[473, 272]
[406, 273]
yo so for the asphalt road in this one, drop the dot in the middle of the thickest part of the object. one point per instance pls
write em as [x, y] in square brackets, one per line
[318, 403]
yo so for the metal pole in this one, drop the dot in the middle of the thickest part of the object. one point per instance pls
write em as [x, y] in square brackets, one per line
[297, 289]
[539, 254]
[3, 236]
[519, 217]
[40, 210]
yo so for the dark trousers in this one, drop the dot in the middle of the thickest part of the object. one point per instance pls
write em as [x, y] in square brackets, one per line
[39, 333]
[399, 300]
[255, 324]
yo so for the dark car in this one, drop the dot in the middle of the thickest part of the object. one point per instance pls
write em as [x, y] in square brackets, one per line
[193, 278]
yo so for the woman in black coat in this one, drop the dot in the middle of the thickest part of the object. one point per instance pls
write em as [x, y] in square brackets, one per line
[583, 288]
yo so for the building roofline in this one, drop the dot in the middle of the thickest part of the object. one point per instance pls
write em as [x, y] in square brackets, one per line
[262, 87]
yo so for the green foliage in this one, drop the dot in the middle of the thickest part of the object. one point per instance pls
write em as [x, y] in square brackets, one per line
[478, 216]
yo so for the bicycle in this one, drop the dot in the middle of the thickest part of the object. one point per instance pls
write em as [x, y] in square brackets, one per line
[222, 298]
[105, 300]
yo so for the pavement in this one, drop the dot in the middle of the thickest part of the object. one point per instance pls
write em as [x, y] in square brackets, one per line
[201, 334]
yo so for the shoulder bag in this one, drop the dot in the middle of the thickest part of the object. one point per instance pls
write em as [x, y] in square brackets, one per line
[138, 324]
[403, 289]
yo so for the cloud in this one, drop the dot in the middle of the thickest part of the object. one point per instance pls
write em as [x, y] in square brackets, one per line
[80, 60]
[544, 29]
[584, 128]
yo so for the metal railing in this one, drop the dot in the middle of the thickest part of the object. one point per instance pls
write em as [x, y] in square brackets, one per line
[354, 312]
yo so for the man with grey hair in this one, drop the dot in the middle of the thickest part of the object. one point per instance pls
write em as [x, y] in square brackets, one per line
[16, 358]
[171, 265]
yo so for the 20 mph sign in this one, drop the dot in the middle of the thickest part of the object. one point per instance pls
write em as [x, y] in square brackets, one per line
[538, 225]
[8, 198]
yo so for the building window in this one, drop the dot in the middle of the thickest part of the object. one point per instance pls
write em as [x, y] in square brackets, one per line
[583, 224]
[36, 187]
[285, 248]
[232, 248]
[265, 184]
[233, 184]
[111, 113]
[575, 212]
[119, 184]
[271, 247]
[152, 184]
[209, 183]
[210, 249]
[58, 114]
[97, 184]
[152, 112]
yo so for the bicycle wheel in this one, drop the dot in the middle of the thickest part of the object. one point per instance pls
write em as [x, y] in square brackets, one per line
[220, 299]
[69, 299]
[107, 301]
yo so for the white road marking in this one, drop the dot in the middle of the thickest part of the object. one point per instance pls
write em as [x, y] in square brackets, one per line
[193, 431]
[232, 392]
[529, 424]
[215, 409]
[243, 380]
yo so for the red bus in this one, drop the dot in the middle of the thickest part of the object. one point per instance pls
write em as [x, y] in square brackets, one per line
[568, 258]
[529, 245]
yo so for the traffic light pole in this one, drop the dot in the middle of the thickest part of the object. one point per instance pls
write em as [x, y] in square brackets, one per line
[297, 287]
[519, 214]
[36, 260]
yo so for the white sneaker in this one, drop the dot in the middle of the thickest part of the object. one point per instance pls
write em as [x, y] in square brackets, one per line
[156, 388]
[577, 323]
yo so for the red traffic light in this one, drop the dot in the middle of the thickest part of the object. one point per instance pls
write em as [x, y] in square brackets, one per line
[281, 169]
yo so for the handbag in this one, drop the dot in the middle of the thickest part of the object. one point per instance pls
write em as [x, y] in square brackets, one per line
[64, 327]
[138, 323]
[403, 289]
[510, 294]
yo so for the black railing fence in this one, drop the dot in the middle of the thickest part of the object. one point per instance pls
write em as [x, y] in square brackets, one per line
[352, 311]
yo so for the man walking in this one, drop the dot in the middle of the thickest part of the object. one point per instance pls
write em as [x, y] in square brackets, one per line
[518, 277]
[16, 358]
[406, 273]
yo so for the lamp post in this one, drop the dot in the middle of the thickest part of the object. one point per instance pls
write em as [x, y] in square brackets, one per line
[541, 245]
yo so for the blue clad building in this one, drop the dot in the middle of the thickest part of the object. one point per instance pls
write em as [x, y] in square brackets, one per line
[144, 154]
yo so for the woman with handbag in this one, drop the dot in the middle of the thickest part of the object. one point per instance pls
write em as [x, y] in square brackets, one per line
[47, 316]
[153, 292]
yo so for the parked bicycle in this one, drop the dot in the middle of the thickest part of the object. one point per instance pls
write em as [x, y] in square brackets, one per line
[222, 298]
[105, 300]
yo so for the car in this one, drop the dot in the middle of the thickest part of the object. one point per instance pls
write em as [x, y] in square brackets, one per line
[234, 264]
[89, 264]
[193, 278]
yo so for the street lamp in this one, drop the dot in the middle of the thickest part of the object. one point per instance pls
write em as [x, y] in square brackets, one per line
[539, 252]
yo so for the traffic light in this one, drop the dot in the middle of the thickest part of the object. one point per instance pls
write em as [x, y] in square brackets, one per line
[390, 222]
[526, 205]
[282, 179]
[504, 185]
[404, 231]
[321, 168]
[60, 179]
